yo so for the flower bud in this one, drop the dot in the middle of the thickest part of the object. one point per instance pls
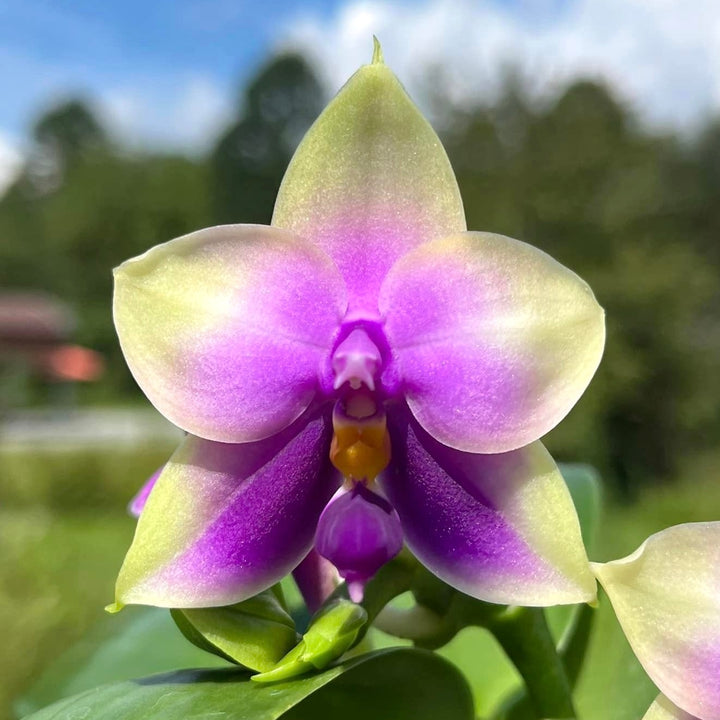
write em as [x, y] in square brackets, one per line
[331, 633]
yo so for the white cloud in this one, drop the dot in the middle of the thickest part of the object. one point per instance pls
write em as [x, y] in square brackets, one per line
[184, 112]
[10, 161]
[663, 56]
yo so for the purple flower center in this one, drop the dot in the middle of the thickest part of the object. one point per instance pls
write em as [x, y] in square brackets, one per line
[359, 531]
[356, 361]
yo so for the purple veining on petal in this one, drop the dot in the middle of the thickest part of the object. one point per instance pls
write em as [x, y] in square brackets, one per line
[266, 522]
[358, 532]
[136, 505]
[316, 579]
[437, 509]
[356, 361]
[459, 515]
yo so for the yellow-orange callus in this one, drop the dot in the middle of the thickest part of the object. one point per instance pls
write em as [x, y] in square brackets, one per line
[360, 447]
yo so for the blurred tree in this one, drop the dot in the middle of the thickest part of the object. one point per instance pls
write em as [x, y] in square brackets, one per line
[63, 137]
[104, 207]
[70, 130]
[706, 156]
[581, 181]
[250, 158]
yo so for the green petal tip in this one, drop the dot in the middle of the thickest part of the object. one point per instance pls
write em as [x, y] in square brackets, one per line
[377, 56]
[113, 608]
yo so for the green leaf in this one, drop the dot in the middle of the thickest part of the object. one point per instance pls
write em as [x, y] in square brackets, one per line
[254, 633]
[401, 683]
[585, 486]
[137, 642]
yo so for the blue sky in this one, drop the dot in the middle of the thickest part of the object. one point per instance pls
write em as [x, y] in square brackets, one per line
[90, 39]
[52, 47]
[166, 72]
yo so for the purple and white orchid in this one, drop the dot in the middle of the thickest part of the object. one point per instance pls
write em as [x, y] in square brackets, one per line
[363, 371]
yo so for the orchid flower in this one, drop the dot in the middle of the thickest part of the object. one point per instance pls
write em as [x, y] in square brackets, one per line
[362, 373]
[665, 596]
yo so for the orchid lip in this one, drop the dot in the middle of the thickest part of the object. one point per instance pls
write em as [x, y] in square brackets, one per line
[359, 531]
[360, 447]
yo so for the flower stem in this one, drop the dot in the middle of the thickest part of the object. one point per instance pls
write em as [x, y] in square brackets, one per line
[393, 579]
[524, 636]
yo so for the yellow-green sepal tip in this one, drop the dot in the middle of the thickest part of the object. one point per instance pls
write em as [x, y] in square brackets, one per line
[377, 56]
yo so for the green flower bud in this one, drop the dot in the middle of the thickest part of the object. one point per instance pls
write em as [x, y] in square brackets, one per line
[331, 633]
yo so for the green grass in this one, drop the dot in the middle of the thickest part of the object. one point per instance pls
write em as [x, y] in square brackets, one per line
[63, 534]
[67, 482]
[56, 575]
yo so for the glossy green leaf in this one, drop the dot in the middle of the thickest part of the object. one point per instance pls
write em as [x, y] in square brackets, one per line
[139, 641]
[401, 684]
[254, 633]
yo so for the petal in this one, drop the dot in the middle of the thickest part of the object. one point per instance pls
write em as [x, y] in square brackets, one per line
[225, 329]
[224, 522]
[494, 340]
[316, 579]
[665, 596]
[501, 528]
[369, 182]
[663, 709]
[137, 504]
